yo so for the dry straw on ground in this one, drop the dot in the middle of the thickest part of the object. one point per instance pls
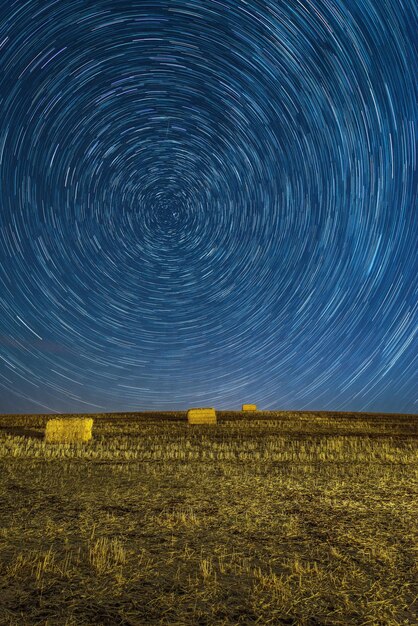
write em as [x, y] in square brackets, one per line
[68, 430]
[249, 407]
[201, 416]
[269, 518]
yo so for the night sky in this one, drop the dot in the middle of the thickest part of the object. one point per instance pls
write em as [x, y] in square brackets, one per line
[205, 203]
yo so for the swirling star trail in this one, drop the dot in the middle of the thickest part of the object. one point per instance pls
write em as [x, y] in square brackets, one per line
[207, 203]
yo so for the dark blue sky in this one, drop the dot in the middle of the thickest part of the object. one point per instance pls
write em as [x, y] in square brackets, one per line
[208, 203]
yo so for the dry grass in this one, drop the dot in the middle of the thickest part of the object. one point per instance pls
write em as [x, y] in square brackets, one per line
[304, 519]
[68, 430]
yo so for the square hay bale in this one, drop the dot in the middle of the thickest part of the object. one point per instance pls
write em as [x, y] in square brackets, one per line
[201, 416]
[68, 430]
[249, 407]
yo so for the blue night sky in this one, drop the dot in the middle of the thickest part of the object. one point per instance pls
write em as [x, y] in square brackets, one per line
[208, 203]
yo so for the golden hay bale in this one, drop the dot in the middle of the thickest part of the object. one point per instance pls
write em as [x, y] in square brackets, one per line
[249, 407]
[68, 430]
[201, 416]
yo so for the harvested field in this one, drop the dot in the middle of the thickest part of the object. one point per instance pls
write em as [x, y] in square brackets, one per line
[275, 518]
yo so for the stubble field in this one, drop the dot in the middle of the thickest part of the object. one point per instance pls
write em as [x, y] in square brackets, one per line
[266, 518]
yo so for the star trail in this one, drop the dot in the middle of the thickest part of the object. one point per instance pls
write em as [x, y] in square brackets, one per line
[208, 203]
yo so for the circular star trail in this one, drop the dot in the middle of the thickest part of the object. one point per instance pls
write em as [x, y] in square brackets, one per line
[207, 203]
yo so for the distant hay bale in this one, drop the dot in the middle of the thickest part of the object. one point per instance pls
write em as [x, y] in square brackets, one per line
[201, 416]
[249, 407]
[68, 430]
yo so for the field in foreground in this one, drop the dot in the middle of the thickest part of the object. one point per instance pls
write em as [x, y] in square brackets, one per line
[277, 518]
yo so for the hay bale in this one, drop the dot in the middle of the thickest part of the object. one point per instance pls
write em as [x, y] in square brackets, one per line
[68, 430]
[201, 416]
[249, 407]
